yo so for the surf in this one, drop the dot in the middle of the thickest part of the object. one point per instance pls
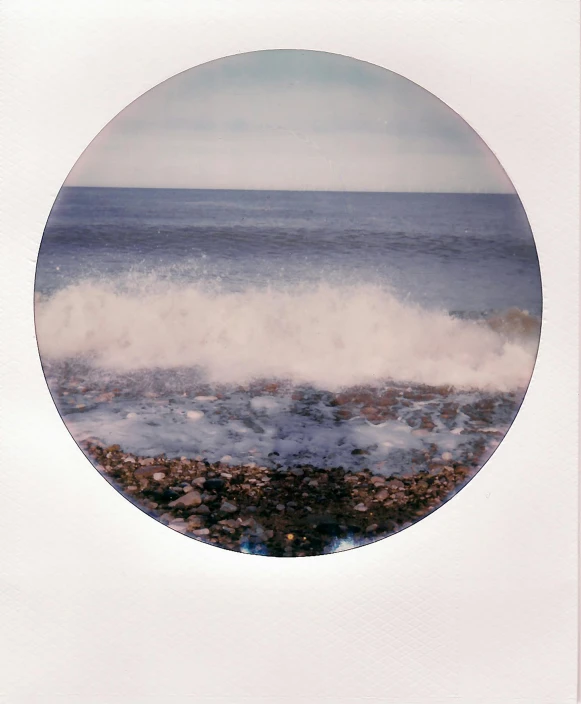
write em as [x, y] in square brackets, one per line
[329, 336]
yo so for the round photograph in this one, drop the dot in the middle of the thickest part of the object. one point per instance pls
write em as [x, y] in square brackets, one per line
[288, 303]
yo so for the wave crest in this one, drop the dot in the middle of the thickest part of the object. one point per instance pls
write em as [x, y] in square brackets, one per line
[329, 336]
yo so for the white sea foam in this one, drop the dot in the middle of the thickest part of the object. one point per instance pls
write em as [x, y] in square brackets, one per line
[328, 336]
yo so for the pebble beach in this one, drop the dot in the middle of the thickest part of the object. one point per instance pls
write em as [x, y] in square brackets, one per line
[266, 507]
[297, 512]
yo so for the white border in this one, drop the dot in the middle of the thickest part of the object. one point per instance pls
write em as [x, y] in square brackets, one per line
[478, 601]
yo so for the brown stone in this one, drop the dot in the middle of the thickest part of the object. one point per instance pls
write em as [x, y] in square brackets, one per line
[143, 472]
[192, 498]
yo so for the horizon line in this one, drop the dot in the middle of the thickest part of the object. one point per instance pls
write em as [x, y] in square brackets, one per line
[293, 190]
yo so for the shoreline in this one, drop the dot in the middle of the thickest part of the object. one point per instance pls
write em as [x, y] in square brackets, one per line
[295, 511]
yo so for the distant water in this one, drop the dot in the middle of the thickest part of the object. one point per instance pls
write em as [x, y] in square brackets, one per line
[160, 296]
[455, 252]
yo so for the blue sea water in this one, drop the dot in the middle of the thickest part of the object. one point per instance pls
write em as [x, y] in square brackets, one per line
[461, 252]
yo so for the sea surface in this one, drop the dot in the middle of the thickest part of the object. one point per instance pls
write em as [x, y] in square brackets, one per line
[235, 323]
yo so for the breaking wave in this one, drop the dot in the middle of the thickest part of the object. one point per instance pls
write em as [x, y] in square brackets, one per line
[328, 336]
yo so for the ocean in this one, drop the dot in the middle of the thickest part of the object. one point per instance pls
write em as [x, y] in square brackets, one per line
[336, 329]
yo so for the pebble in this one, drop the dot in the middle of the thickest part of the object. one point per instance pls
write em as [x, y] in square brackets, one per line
[205, 398]
[201, 531]
[194, 415]
[228, 507]
[280, 507]
[199, 481]
[360, 507]
[202, 510]
[297, 471]
[214, 483]
[192, 498]
[179, 526]
[226, 458]
[131, 415]
[446, 456]
[148, 471]
[158, 476]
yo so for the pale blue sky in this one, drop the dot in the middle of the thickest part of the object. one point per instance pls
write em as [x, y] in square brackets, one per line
[297, 120]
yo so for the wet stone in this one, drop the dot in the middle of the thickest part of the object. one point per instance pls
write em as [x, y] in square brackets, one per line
[192, 498]
[214, 484]
[227, 507]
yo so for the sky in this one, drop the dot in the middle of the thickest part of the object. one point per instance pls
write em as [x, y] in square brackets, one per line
[290, 120]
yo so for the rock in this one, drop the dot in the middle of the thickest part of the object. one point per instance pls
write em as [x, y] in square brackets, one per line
[226, 458]
[205, 398]
[195, 522]
[201, 531]
[227, 507]
[192, 498]
[202, 510]
[213, 484]
[378, 481]
[297, 471]
[195, 415]
[280, 507]
[370, 529]
[446, 456]
[146, 461]
[167, 495]
[158, 476]
[360, 507]
[149, 471]
[395, 484]
[358, 451]
[382, 494]
[199, 481]
[180, 526]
